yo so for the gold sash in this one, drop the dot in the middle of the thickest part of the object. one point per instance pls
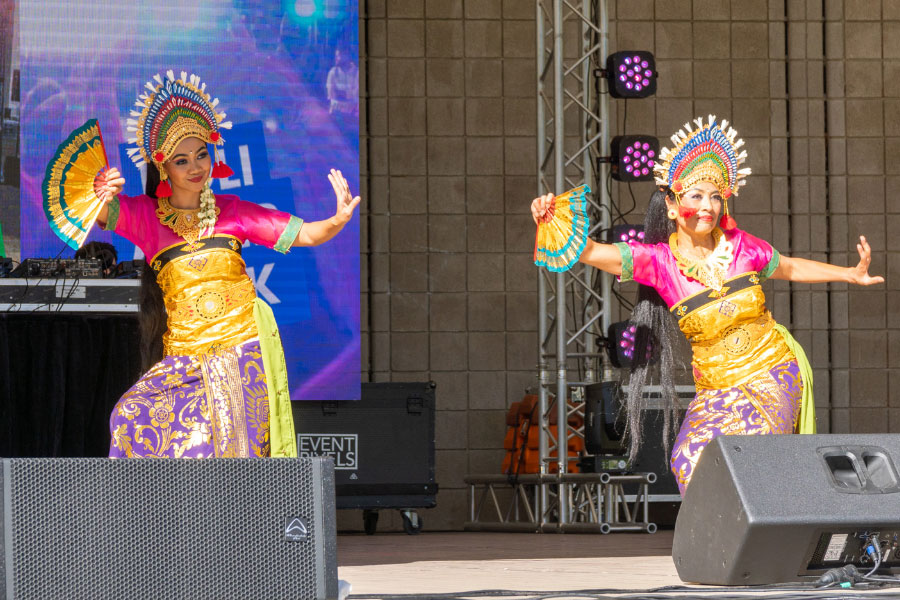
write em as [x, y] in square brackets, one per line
[732, 334]
[208, 295]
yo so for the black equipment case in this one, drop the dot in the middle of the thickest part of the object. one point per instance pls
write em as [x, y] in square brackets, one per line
[382, 446]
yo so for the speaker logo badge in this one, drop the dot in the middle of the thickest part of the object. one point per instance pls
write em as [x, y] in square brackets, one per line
[342, 447]
[296, 529]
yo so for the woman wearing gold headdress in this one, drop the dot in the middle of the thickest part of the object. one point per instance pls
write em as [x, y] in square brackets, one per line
[219, 385]
[700, 273]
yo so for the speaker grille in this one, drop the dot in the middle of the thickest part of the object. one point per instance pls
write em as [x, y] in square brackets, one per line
[96, 528]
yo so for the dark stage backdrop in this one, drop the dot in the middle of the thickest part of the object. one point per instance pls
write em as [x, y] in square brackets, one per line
[270, 63]
[60, 376]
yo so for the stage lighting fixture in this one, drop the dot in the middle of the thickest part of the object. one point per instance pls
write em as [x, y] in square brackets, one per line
[604, 427]
[620, 344]
[631, 74]
[626, 233]
[633, 157]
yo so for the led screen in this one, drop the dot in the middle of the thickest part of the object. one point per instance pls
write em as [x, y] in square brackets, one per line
[285, 74]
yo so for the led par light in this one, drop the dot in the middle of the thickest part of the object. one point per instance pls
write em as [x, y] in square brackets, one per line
[633, 157]
[631, 74]
[621, 338]
[626, 233]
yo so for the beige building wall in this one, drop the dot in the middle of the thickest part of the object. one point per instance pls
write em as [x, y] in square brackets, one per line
[448, 163]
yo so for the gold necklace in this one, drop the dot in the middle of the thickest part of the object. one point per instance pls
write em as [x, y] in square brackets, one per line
[710, 270]
[184, 222]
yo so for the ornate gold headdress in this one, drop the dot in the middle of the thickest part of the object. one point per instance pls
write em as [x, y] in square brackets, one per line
[708, 153]
[172, 110]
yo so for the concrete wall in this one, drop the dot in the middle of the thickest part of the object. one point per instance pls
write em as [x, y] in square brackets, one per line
[448, 160]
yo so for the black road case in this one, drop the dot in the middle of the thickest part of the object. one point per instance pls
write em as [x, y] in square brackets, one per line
[382, 446]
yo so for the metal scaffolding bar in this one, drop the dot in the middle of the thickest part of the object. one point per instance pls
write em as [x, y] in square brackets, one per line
[572, 120]
[599, 500]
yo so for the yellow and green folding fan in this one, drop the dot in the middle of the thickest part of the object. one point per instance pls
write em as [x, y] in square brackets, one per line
[562, 234]
[70, 202]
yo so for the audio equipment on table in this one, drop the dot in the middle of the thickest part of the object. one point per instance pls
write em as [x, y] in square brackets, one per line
[129, 269]
[66, 294]
[72, 268]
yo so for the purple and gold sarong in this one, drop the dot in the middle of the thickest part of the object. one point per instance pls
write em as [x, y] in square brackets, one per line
[768, 403]
[200, 406]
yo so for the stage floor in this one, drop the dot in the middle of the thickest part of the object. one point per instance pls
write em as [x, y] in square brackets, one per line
[435, 563]
[550, 565]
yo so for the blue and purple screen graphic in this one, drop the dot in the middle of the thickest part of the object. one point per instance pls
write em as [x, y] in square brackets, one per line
[286, 75]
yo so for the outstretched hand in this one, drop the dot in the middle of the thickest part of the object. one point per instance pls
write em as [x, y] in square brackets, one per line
[108, 184]
[542, 209]
[860, 274]
[346, 202]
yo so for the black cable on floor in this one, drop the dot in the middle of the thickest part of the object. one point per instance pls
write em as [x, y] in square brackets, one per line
[789, 591]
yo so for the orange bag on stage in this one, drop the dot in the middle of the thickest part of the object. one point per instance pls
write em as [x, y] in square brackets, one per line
[523, 435]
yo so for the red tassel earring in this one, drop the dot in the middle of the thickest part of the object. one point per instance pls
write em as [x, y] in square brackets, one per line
[726, 222]
[220, 169]
[163, 190]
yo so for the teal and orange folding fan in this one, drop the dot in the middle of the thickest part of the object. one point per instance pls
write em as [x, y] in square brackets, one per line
[70, 202]
[562, 235]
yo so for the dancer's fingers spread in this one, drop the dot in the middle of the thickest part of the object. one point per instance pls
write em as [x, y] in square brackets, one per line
[335, 185]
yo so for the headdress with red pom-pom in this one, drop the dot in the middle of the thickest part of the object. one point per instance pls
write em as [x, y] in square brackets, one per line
[172, 110]
[708, 153]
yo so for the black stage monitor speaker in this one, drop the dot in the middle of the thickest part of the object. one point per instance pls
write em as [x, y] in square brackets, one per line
[212, 529]
[779, 508]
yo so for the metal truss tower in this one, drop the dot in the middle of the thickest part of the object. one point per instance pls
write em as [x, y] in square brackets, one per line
[574, 307]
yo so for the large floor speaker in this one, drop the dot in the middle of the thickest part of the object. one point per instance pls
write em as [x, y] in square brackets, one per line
[779, 508]
[210, 529]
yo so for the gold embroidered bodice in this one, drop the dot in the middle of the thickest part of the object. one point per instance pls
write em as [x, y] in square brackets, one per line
[208, 295]
[731, 333]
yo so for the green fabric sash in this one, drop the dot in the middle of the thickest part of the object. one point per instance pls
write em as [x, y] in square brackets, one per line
[282, 440]
[807, 421]
[2, 247]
